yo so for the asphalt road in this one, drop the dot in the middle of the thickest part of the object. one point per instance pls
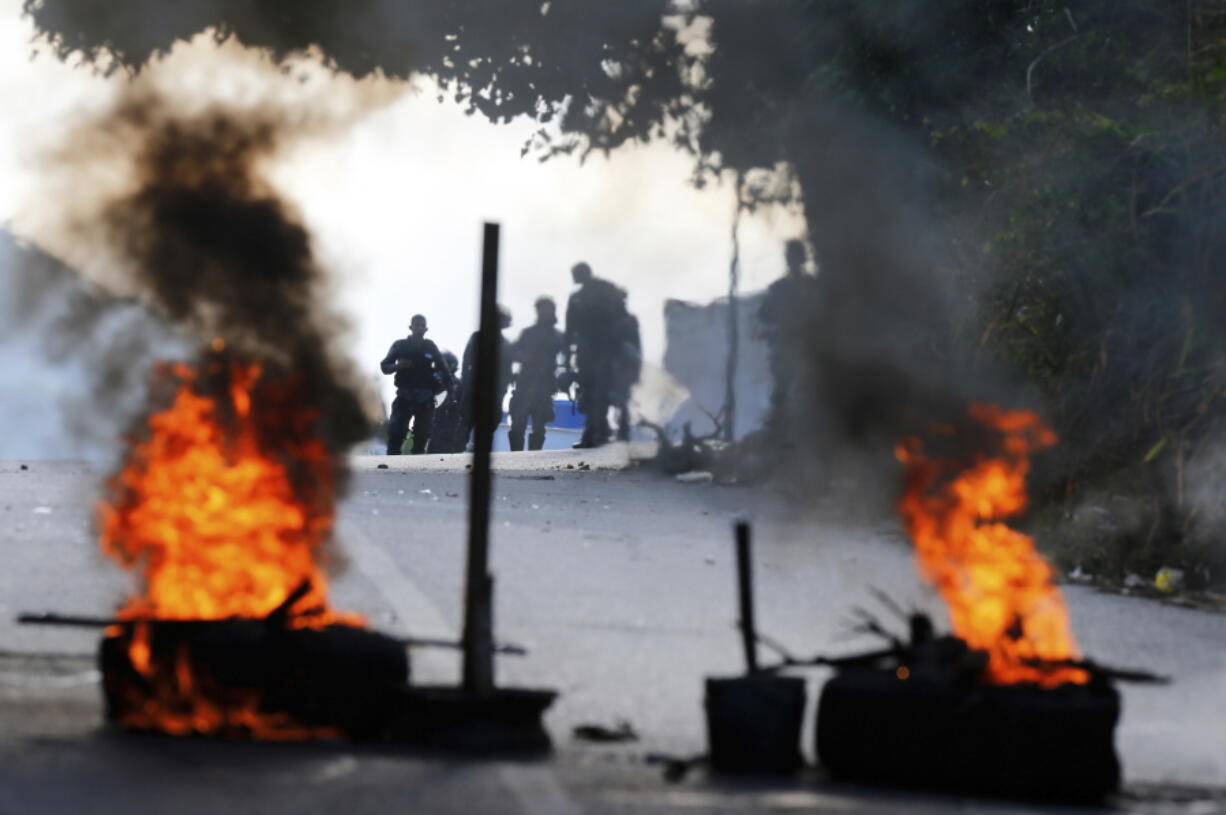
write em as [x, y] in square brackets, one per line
[621, 585]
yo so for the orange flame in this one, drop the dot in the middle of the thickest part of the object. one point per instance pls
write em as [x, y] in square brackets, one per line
[1001, 593]
[211, 518]
[220, 523]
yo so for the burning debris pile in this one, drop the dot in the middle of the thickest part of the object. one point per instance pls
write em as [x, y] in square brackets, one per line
[224, 502]
[1004, 705]
[223, 508]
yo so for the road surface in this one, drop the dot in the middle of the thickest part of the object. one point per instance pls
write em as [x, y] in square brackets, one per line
[621, 584]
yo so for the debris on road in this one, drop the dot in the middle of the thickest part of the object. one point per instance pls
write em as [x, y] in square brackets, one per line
[621, 731]
[747, 461]
[1169, 580]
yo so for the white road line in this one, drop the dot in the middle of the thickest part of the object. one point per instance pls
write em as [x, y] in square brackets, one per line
[536, 790]
[534, 787]
[418, 616]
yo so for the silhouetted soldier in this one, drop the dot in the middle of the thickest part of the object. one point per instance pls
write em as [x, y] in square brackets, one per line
[468, 375]
[539, 351]
[789, 304]
[448, 414]
[626, 371]
[419, 371]
[595, 327]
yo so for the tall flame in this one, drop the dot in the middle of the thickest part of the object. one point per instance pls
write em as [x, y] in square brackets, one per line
[210, 515]
[223, 509]
[1000, 591]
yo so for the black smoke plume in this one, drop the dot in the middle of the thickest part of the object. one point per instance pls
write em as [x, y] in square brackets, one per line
[212, 248]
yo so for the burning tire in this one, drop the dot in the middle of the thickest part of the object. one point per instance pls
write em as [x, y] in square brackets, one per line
[1009, 740]
[248, 679]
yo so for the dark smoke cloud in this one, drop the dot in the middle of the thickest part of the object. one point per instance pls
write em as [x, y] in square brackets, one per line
[75, 357]
[183, 222]
[884, 353]
[217, 251]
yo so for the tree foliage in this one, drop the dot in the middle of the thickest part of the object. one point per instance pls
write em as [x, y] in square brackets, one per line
[1064, 161]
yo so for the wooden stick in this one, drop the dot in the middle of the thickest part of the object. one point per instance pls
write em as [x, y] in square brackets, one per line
[77, 621]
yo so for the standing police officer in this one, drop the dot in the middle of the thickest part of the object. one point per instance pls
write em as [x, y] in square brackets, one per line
[468, 375]
[595, 330]
[419, 370]
[626, 371]
[787, 308]
[539, 350]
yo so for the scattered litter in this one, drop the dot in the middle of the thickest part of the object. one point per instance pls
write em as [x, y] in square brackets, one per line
[380, 466]
[426, 491]
[676, 768]
[1168, 580]
[400, 492]
[695, 477]
[751, 459]
[606, 506]
[536, 506]
[42, 510]
[621, 731]
[584, 467]
[1132, 581]
[1079, 576]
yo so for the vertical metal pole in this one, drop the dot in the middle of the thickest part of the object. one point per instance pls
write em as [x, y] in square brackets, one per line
[744, 579]
[479, 583]
[734, 320]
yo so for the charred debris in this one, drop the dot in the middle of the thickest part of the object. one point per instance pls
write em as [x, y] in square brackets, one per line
[184, 662]
[919, 712]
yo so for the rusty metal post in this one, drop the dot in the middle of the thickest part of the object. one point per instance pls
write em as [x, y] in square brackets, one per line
[479, 583]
